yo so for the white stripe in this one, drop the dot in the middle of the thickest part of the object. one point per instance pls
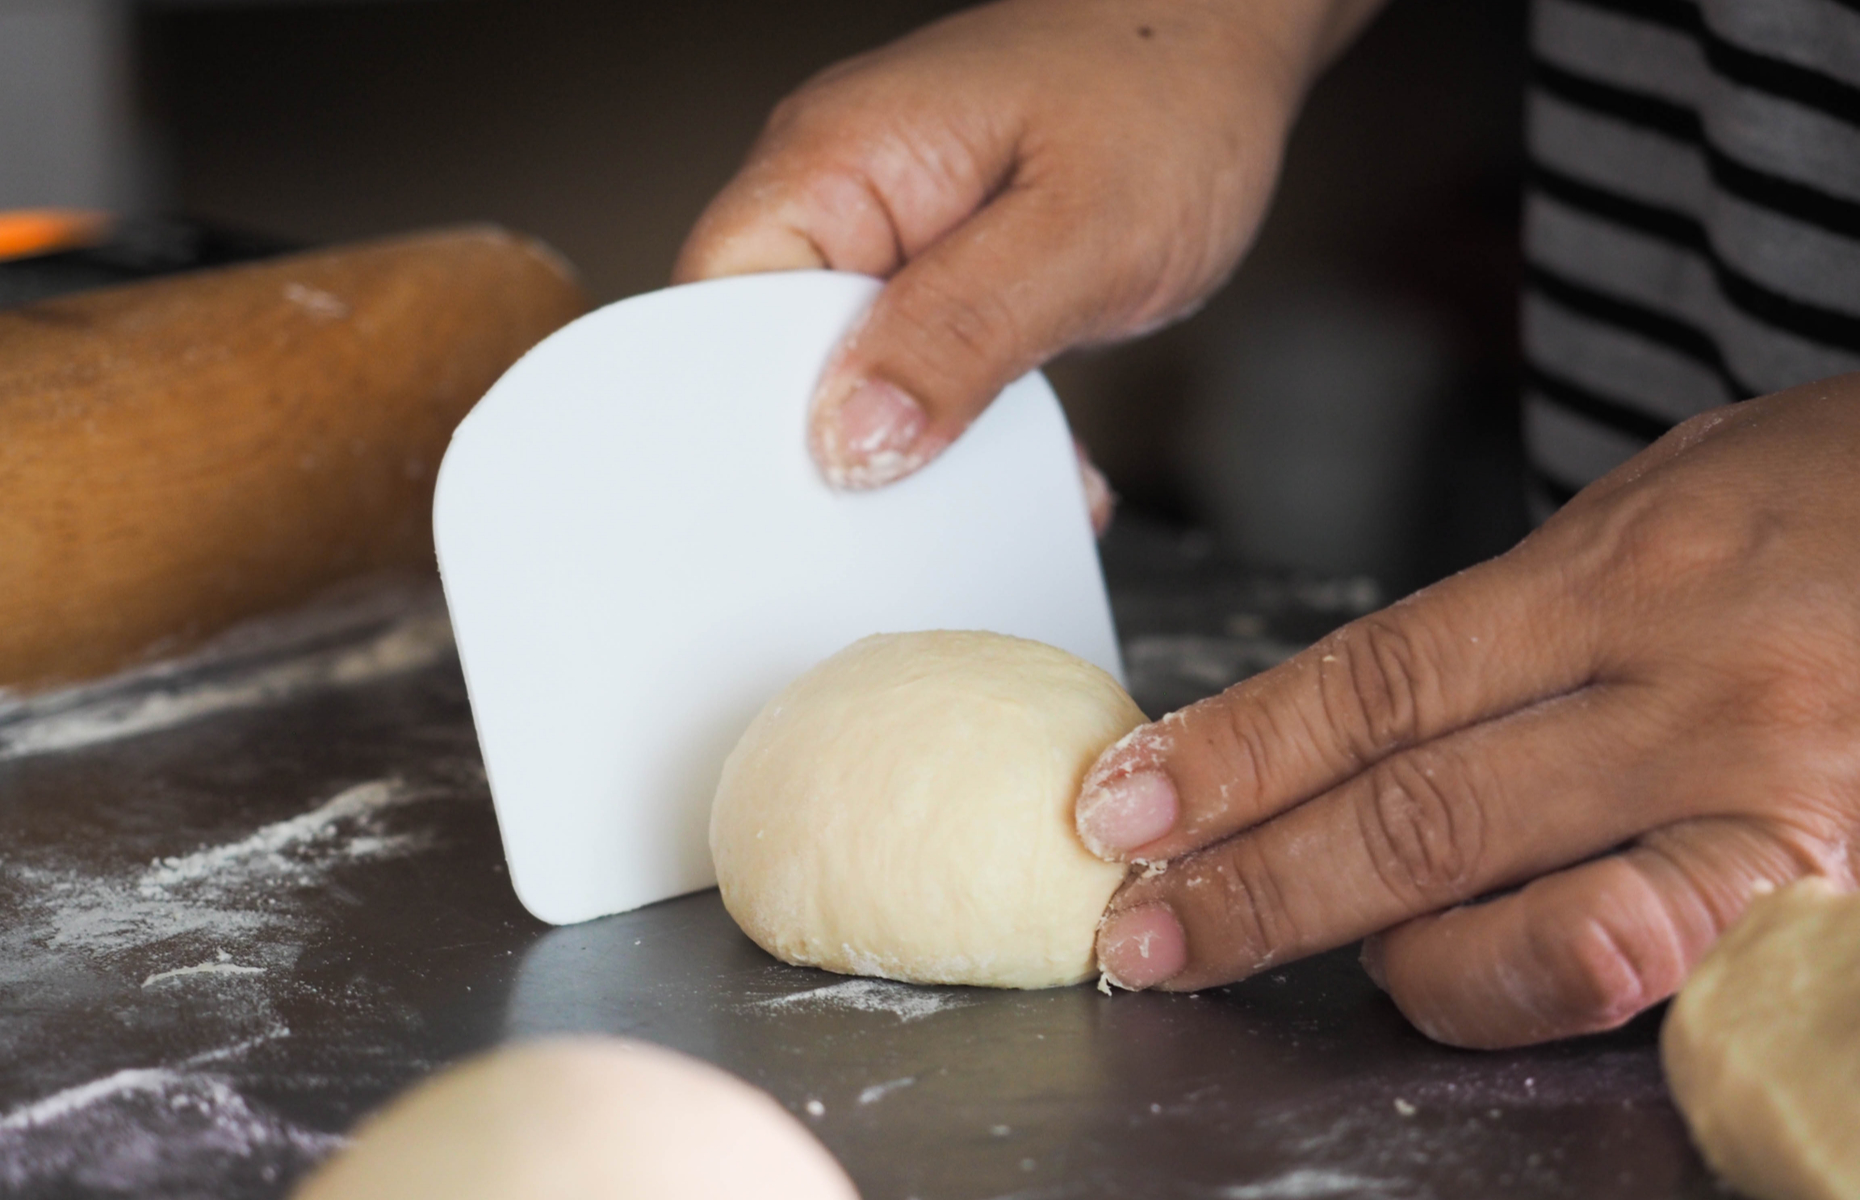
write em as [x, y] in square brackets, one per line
[1678, 283]
[1809, 33]
[1624, 159]
[1763, 131]
[1776, 250]
[1619, 364]
[1783, 138]
[1785, 255]
[1621, 50]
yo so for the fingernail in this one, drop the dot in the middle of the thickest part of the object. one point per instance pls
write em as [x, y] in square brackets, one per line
[872, 437]
[1118, 816]
[1142, 947]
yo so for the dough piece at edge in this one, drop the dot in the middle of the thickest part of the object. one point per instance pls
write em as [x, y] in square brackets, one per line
[581, 1116]
[1762, 1047]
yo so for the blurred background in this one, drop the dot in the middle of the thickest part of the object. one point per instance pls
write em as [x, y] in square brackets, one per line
[1347, 406]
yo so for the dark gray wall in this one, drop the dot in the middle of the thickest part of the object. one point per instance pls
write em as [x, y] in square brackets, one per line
[1381, 289]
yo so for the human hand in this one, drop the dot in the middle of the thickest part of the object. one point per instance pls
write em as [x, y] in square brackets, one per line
[1644, 714]
[1028, 175]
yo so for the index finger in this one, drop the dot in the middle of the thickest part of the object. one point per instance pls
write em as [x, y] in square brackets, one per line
[1456, 818]
[1499, 637]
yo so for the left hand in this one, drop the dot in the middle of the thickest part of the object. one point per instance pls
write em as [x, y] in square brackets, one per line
[1611, 737]
[1027, 176]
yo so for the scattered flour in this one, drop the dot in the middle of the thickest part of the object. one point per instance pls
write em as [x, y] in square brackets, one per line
[237, 1049]
[145, 1130]
[878, 1091]
[1452, 1128]
[221, 894]
[63, 1104]
[280, 848]
[261, 663]
[177, 930]
[1307, 1183]
[905, 1001]
[205, 968]
[223, 912]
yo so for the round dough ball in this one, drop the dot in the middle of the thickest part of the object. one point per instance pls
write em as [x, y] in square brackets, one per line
[1762, 1047]
[581, 1119]
[904, 810]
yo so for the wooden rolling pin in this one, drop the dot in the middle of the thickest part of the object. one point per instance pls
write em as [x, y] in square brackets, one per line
[178, 455]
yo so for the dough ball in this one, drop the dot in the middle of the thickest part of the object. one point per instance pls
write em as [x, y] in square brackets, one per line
[581, 1119]
[904, 810]
[1762, 1047]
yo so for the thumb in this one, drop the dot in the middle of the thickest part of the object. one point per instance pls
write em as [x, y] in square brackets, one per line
[990, 300]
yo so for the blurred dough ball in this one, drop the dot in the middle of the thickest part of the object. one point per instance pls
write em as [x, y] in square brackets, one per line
[1762, 1047]
[581, 1119]
[904, 810]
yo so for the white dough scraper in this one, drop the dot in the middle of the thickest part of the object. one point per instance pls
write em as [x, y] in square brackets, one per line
[638, 552]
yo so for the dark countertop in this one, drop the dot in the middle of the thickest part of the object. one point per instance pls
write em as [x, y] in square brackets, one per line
[224, 938]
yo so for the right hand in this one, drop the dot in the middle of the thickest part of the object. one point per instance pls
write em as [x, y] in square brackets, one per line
[1028, 176]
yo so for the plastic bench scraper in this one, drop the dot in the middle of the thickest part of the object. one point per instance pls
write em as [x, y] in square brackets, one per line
[638, 552]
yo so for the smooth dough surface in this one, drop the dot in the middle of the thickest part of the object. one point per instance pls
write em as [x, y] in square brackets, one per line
[581, 1119]
[1762, 1047]
[904, 810]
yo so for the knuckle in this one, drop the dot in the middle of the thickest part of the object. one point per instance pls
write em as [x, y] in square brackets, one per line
[788, 112]
[1254, 916]
[1422, 816]
[1597, 982]
[818, 100]
[1783, 689]
[1806, 670]
[1375, 683]
[1782, 706]
[829, 119]
[942, 313]
[1241, 740]
[1668, 537]
[795, 115]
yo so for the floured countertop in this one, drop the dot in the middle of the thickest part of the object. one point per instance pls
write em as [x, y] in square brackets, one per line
[245, 899]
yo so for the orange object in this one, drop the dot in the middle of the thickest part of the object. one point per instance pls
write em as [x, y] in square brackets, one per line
[26, 232]
[182, 454]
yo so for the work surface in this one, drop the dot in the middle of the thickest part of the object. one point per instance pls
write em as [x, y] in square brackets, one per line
[225, 937]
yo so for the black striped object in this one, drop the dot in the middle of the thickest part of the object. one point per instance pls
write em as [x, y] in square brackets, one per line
[1692, 220]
